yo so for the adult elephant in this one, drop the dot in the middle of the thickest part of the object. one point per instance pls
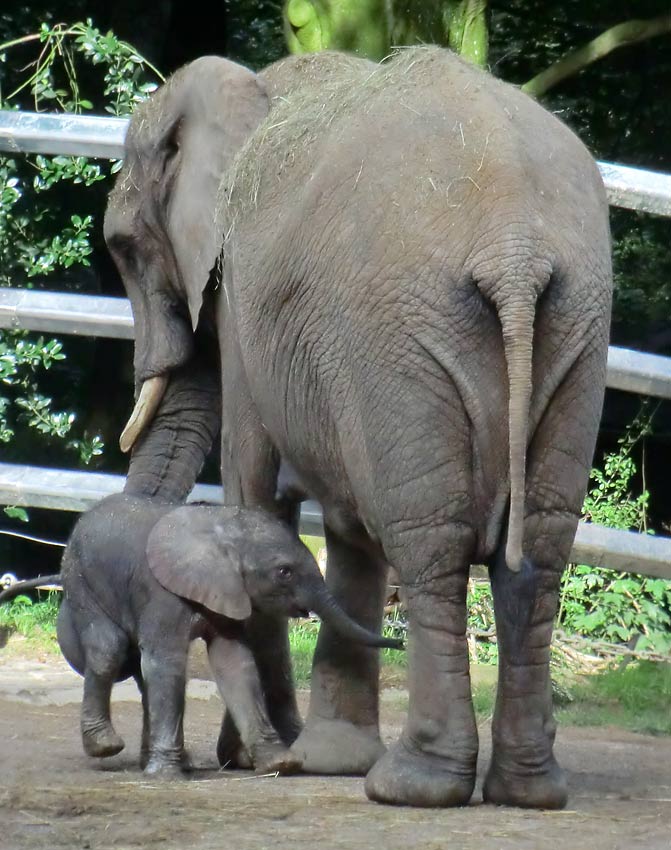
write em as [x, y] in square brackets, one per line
[412, 302]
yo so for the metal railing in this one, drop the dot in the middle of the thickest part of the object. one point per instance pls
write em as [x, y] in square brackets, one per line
[20, 132]
[30, 132]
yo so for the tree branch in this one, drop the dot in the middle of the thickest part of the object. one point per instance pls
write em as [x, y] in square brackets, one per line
[620, 35]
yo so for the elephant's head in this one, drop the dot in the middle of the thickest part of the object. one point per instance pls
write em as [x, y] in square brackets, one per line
[160, 219]
[233, 560]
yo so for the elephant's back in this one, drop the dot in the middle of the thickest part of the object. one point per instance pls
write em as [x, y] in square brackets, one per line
[324, 104]
[105, 555]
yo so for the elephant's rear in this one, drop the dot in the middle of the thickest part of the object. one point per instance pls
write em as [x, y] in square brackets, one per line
[431, 206]
[104, 565]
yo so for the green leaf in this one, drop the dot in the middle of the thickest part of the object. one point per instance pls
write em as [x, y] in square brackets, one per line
[16, 513]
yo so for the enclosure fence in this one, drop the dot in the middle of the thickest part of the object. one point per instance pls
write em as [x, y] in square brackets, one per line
[23, 309]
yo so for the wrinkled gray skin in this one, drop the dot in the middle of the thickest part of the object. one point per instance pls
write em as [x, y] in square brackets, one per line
[117, 619]
[143, 578]
[412, 304]
[130, 613]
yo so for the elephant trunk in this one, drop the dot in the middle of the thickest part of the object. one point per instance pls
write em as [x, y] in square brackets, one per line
[169, 455]
[30, 584]
[329, 611]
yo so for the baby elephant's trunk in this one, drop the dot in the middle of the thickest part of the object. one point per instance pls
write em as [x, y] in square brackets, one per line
[21, 586]
[328, 610]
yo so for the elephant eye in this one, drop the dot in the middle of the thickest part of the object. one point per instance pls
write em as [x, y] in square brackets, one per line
[285, 572]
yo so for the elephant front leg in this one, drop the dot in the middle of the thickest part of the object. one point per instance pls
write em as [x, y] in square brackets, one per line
[434, 762]
[268, 641]
[341, 734]
[237, 678]
[249, 468]
[164, 678]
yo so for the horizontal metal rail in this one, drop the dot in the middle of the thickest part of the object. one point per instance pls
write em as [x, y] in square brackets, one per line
[623, 551]
[68, 134]
[61, 312]
[82, 135]
[28, 309]
[31, 486]
[72, 490]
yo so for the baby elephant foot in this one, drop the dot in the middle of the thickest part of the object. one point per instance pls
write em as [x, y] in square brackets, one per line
[409, 777]
[276, 758]
[101, 743]
[338, 748]
[507, 784]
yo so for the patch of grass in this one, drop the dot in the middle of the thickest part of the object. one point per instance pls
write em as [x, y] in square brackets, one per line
[483, 687]
[34, 620]
[636, 697]
[314, 543]
[302, 640]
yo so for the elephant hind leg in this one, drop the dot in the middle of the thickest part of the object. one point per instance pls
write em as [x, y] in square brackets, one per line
[105, 649]
[523, 770]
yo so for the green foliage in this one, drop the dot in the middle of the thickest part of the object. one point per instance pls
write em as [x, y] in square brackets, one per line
[636, 697]
[28, 618]
[302, 640]
[372, 28]
[602, 604]
[48, 208]
[480, 606]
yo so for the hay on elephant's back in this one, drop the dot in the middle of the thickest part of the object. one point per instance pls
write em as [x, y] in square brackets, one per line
[312, 93]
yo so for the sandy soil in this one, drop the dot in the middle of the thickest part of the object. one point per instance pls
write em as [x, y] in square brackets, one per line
[53, 796]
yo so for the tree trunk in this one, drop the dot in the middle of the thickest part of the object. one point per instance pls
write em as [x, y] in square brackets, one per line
[372, 28]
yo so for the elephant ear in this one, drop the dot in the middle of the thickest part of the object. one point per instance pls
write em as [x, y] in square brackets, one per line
[222, 104]
[189, 556]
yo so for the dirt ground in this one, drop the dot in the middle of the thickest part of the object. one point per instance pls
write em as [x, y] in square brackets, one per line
[53, 796]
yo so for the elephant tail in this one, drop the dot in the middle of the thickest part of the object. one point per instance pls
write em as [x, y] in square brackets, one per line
[515, 300]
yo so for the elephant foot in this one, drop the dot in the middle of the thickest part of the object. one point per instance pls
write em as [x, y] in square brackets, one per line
[545, 788]
[102, 743]
[160, 768]
[408, 777]
[337, 747]
[276, 758]
[185, 761]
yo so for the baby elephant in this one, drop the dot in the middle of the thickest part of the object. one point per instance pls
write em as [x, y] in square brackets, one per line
[143, 578]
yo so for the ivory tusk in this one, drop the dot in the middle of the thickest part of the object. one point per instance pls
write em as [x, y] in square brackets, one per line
[146, 405]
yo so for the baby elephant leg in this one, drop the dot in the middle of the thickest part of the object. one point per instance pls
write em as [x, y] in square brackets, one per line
[164, 691]
[237, 678]
[105, 647]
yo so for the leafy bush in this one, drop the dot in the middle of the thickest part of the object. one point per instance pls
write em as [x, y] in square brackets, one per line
[596, 603]
[41, 234]
[26, 617]
[611, 606]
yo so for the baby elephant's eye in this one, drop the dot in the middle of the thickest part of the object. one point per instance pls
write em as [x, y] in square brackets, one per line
[285, 572]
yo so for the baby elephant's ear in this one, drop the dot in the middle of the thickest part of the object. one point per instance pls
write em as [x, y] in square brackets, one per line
[188, 559]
